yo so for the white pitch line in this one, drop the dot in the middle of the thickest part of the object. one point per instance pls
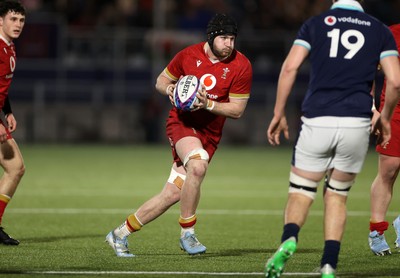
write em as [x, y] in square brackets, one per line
[163, 273]
[174, 211]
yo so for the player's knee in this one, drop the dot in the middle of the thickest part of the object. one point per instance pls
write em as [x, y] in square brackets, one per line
[176, 178]
[389, 174]
[197, 169]
[196, 154]
[339, 187]
[302, 186]
[201, 156]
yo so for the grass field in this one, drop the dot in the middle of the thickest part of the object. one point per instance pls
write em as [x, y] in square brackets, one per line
[72, 196]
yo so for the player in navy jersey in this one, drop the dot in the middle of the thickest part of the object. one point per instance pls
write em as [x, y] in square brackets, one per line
[12, 21]
[344, 46]
[226, 76]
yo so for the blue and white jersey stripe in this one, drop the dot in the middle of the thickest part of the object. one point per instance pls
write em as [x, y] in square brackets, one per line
[389, 53]
[303, 43]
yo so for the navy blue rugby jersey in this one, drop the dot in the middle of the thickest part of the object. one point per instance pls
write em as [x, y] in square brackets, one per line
[345, 47]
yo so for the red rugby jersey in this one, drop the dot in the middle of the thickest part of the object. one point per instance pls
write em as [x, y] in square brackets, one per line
[231, 78]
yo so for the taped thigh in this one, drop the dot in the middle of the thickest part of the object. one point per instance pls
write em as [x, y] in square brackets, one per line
[176, 178]
[199, 154]
[302, 185]
[339, 187]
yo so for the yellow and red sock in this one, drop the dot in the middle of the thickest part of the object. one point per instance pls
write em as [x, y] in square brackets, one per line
[4, 200]
[187, 222]
[133, 223]
[130, 225]
[380, 227]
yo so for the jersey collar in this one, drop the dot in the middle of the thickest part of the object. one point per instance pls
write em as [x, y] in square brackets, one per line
[5, 40]
[348, 5]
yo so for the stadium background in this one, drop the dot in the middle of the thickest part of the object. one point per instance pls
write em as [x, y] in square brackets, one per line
[86, 69]
[85, 79]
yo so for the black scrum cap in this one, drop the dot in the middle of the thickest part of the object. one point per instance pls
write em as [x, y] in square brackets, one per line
[220, 24]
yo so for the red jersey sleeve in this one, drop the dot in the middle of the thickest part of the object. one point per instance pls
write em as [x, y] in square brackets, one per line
[174, 69]
[241, 87]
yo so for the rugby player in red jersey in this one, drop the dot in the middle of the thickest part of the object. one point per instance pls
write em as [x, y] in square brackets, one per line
[12, 21]
[382, 186]
[226, 76]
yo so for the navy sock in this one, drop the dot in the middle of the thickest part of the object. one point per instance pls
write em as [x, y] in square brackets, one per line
[290, 230]
[331, 253]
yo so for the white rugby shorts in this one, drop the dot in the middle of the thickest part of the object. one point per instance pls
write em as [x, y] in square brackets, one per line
[332, 142]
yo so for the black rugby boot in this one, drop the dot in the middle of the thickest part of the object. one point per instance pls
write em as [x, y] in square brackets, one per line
[6, 239]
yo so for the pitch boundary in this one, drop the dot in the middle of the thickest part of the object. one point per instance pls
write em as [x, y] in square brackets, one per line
[161, 273]
[177, 273]
[202, 211]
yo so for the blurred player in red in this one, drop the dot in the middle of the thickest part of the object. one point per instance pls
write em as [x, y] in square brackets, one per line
[226, 75]
[388, 169]
[12, 21]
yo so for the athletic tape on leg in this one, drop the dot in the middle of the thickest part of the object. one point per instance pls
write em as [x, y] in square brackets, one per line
[302, 185]
[176, 178]
[339, 187]
[196, 154]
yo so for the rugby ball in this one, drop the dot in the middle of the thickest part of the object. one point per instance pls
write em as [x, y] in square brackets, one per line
[185, 92]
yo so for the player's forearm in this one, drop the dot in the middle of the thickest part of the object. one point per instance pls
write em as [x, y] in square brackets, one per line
[286, 80]
[162, 84]
[233, 110]
[280, 104]
[391, 69]
[392, 97]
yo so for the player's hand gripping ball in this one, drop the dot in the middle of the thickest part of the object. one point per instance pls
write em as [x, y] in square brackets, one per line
[185, 92]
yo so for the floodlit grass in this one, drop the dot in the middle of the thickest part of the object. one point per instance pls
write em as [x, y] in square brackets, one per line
[72, 196]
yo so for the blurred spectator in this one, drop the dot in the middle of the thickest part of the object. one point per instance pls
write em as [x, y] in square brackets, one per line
[151, 119]
[388, 13]
[82, 13]
[32, 5]
[193, 14]
[134, 13]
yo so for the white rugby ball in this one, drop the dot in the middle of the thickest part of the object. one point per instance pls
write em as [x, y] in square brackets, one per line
[185, 92]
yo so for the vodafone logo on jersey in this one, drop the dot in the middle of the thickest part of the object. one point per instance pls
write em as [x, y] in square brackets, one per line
[208, 80]
[330, 20]
[12, 63]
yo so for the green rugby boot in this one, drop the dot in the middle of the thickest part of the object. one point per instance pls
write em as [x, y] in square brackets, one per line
[275, 265]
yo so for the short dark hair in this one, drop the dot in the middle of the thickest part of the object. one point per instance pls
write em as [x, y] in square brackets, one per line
[11, 6]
